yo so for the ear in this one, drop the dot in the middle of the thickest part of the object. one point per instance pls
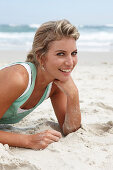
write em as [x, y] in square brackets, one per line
[40, 59]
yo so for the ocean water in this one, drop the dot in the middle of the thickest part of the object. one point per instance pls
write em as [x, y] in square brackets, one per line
[92, 38]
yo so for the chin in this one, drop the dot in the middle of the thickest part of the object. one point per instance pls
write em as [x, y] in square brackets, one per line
[64, 79]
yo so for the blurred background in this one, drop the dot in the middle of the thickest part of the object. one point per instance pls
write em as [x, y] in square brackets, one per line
[19, 19]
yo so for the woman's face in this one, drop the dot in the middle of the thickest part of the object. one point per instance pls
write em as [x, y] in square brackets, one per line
[61, 58]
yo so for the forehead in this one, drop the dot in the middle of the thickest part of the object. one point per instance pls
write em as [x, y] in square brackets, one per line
[63, 44]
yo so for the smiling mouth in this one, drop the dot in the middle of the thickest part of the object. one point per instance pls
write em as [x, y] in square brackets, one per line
[65, 70]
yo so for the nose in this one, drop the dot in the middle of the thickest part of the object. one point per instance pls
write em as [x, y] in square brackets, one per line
[69, 61]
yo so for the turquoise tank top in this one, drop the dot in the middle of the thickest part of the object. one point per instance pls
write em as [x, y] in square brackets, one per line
[11, 116]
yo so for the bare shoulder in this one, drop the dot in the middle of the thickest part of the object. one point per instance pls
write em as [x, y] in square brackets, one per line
[54, 90]
[14, 75]
[56, 93]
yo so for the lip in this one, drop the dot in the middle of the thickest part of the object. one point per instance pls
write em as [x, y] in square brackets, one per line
[66, 70]
[65, 73]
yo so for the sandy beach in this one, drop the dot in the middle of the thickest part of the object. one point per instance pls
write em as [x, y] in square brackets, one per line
[89, 148]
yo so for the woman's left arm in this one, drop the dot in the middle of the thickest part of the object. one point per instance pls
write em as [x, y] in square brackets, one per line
[65, 102]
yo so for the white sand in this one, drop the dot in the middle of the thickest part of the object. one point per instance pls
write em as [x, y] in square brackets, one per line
[91, 147]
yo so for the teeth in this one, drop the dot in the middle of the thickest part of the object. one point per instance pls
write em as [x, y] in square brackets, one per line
[66, 70]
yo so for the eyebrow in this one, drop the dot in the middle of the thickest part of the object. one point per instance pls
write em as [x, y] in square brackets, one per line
[63, 50]
[60, 50]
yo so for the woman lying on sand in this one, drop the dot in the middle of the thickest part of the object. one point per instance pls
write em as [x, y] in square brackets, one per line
[46, 73]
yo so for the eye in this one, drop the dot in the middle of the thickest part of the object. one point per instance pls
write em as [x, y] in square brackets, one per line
[60, 54]
[74, 53]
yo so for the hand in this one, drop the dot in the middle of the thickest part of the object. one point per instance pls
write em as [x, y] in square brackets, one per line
[68, 87]
[43, 139]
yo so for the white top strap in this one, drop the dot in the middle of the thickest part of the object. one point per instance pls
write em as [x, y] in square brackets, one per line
[49, 90]
[29, 73]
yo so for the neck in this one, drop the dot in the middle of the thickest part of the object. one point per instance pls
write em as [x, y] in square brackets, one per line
[42, 78]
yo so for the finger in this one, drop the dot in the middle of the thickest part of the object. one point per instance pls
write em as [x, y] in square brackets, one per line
[55, 133]
[53, 138]
[50, 141]
[45, 143]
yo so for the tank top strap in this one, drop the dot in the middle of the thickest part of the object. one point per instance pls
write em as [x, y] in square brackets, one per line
[23, 98]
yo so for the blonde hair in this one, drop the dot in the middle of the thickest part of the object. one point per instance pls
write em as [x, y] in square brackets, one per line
[48, 32]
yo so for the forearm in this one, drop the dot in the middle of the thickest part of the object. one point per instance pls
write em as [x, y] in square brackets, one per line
[13, 139]
[73, 116]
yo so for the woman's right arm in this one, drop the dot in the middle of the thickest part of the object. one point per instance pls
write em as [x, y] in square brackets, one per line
[13, 82]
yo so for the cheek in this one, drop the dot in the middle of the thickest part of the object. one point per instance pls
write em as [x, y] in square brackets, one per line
[51, 65]
[75, 61]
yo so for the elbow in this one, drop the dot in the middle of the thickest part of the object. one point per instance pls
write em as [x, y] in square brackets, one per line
[69, 129]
